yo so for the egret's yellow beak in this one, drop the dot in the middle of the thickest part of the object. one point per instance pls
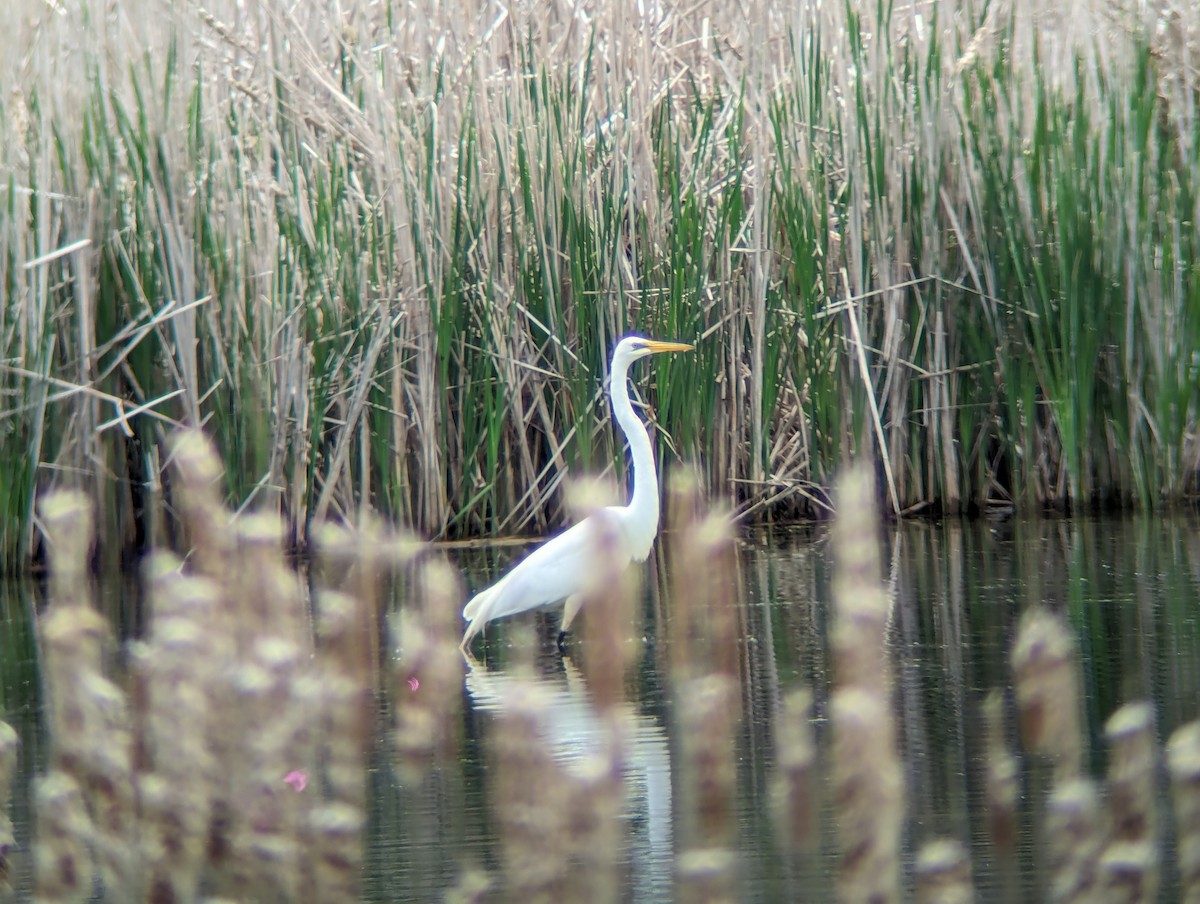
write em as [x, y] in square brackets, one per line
[655, 346]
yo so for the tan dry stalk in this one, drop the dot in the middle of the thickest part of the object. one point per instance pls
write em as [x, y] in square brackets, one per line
[427, 676]
[10, 743]
[1075, 827]
[706, 870]
[867, 778]
[89, 719]
[795, 785]
[1183, 763]
[704, 623]
[611, 619]
[1003, 778]
[63, 867]
[175, 672]
[533, 799]
[944, 873]
[1129, 866]
[1048, 702]
[345, 706]
[199, 473]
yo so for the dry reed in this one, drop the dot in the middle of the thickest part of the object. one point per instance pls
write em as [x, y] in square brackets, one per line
[9, 746]
[232, 759]
[943, 873]
[1002, 781]
[706, 688]
[1129, 866]
[1183, 763]
[795, 784]
[1048, 702]
[868, 784]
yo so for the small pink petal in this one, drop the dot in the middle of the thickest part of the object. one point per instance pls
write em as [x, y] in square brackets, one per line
[413, 684]
[297, 778]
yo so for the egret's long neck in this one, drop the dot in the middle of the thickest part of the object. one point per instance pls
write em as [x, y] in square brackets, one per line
[644, 501]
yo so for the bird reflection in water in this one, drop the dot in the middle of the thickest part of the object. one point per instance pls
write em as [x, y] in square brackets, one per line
[555, 750]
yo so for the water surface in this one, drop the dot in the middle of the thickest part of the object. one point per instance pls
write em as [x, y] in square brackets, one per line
[1130, 590]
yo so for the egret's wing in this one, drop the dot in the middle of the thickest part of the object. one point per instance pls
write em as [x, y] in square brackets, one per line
[550, 573]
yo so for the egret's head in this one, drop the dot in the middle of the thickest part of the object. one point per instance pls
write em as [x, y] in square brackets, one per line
[633, 347]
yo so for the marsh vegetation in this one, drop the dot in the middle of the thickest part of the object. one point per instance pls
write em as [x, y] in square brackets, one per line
[381, 251]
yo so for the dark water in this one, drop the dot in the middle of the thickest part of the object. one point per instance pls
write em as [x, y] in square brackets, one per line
[1130, 590]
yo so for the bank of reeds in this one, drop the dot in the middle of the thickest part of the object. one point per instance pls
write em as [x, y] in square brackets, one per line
[383, 251]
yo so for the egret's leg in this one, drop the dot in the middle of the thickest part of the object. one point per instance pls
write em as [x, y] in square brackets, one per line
[570, 610]
[473, 628]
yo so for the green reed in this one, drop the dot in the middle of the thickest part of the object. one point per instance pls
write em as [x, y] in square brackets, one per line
[386, 269]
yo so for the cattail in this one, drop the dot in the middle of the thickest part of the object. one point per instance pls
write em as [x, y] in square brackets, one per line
[337, 842]
[89, 716]
[1074, 833]
[206, 520]
[794, 794]
[63, 867]
[867, 779]
[944, 873]
[1129, 865]
[703, 628]
[1002, 778]
[595, 829]
[532, 798]
[868, 795]
[611, 628]
[705, 667]
[1183, 763]
[10, 742]
[1044, 667]
[427, 675]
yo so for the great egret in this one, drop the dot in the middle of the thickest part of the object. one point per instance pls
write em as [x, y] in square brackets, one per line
[556, 570]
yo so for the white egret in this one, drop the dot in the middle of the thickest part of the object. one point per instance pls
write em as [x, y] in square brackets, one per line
[556, 570]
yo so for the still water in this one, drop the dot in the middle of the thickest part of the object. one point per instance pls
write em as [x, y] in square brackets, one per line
[1130, 590]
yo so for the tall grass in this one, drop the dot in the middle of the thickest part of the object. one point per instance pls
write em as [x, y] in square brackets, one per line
[381, 252]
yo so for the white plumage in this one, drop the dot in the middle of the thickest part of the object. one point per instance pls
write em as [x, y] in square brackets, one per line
[557, 570]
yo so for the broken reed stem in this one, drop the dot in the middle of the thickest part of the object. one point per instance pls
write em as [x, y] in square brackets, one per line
[1183, 764]
[1047, 684]
[1129, 866]
[867, 778]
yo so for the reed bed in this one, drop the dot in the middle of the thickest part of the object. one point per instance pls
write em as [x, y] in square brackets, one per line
[382, 250]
